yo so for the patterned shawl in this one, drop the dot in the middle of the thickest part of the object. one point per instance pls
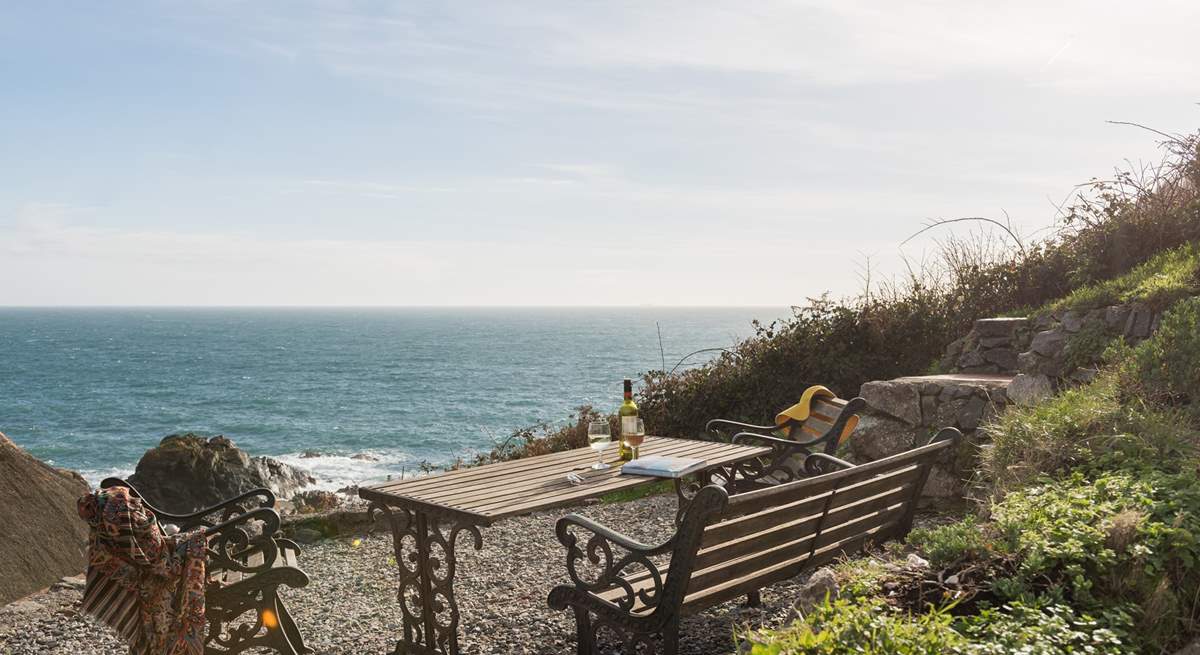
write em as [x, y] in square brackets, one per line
[147, 586]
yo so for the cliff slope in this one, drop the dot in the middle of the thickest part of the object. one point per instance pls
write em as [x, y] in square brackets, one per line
[41, 536]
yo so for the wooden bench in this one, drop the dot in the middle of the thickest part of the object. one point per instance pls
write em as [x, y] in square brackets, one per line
[248, 561]
[734, 545]
[821, 432]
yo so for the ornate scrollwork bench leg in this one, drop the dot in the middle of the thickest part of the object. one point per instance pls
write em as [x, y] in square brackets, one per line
[425, 561]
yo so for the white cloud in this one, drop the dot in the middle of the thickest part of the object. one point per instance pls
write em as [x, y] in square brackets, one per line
[75, 265]
[824, 42]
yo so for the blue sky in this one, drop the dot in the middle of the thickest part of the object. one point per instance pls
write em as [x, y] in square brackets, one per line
[694, 153]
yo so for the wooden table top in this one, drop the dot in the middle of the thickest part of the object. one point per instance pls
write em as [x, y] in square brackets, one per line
[482, 495]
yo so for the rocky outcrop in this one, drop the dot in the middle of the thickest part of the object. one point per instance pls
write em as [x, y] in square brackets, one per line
[187, 472]
[42, 538]
[905, 412]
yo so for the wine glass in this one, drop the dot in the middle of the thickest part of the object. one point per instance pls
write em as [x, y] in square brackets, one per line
[599, 438]
[635, 438]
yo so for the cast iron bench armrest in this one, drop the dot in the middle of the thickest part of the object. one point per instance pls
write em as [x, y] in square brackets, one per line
[187, 521]
[810, 461]
[615, 570]
[741, 426]
[268, 516]
[774, 442]
[603, 532]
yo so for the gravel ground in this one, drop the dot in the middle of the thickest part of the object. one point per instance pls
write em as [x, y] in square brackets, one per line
[350, 606]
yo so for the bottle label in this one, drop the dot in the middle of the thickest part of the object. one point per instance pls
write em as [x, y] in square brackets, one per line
[628, 424]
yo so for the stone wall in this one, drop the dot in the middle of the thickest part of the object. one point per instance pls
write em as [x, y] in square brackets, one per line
[906, 412]
[1000, 361]
[1060, 352]
[992, 346]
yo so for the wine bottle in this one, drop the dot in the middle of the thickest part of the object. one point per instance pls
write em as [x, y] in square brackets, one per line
[628, 413]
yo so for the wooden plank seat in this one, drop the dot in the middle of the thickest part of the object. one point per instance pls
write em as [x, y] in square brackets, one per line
[822, 432]
[729, 546]
[248, 560]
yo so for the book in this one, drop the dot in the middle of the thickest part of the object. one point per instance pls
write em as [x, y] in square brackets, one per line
[662, 467]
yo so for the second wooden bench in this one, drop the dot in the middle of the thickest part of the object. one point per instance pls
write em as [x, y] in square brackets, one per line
[731, 546]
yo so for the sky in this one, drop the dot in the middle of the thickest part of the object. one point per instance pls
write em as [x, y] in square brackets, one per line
[550, 153]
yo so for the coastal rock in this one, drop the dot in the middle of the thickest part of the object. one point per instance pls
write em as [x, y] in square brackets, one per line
[187, 472]
[308, 502]
[43, 539]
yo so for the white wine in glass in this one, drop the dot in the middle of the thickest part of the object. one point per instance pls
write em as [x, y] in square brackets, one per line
[599, 438]
[634, 438]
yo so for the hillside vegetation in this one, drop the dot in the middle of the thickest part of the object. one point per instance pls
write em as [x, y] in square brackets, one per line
[1088, 540]
[1113, 226]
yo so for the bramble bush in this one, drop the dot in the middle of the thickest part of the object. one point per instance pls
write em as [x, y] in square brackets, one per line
[1091, 533]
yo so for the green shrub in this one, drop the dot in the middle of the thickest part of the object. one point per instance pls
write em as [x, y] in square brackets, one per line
[1097, 424]
[1044, 630]
[1168, 364]
[867, 626]
[1087, 347]
[871, 627]
[945, 545]
[1121, 539]
[1164, 279]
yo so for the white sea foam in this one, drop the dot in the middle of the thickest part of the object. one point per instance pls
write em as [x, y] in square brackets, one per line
[335, 472]
[95, 476]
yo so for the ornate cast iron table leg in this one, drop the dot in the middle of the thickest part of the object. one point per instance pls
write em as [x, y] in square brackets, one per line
[424, 548]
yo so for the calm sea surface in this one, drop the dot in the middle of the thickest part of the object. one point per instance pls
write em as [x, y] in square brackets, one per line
[92, 389]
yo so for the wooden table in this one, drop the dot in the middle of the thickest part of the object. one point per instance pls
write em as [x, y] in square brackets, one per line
[427, 514]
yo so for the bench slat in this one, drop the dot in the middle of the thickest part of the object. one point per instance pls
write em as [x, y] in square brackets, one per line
[864, 500]
[774, 515]
[703, 599]
[753, 501]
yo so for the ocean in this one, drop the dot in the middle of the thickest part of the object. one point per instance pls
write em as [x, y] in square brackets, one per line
[91, 389]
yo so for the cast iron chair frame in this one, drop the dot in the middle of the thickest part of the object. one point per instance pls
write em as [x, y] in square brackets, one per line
[236, 529]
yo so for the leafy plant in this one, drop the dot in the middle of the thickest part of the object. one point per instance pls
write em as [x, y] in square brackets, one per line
[1168, 364]
[949, 544]
[1087, 347]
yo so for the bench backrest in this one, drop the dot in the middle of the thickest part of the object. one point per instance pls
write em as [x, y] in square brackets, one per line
[774, 533]
[823, 415]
